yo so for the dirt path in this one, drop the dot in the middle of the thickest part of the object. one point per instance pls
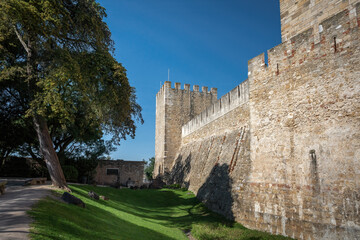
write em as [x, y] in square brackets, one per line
[14, 222]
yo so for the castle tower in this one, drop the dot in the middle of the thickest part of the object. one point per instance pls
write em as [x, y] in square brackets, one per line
[300, 15]
[174, 108]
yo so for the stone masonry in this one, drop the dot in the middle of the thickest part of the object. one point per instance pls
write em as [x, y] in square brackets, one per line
[175, 107]
[298, 15]
[281, 151]
[118, 172]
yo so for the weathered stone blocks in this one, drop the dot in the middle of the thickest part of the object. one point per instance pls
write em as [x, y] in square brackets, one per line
[285, 158]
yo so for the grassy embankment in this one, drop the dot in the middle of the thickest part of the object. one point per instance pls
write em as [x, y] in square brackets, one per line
[133, 214]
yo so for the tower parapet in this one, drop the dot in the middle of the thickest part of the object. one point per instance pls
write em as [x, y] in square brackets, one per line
[292, 147]
[175, 107]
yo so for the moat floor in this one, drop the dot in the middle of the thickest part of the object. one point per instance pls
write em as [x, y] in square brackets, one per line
[133, 214]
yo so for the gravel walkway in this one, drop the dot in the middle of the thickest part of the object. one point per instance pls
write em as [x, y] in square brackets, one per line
[14, 222]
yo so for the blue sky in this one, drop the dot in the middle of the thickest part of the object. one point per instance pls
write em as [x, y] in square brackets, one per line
[202, 42]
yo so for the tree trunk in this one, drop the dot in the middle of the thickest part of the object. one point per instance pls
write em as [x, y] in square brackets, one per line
[4, 156]
[41, 128]
[49, 154]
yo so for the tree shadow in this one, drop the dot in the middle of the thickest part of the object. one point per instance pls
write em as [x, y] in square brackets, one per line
[92, 222]
[216, 192]
[170, 207]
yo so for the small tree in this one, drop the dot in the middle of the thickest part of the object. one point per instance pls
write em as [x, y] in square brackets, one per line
[149, 168]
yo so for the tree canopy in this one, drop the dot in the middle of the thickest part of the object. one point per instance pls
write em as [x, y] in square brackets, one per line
[149, 168]
[56, 62]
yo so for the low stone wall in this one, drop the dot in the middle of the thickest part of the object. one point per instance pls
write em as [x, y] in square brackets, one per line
[118, 172]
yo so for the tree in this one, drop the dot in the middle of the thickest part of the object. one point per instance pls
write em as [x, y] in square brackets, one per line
[59, 53]
[149, 168]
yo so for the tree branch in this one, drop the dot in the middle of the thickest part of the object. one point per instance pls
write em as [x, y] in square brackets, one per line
[21, 40]
[30, 151]
[15, 97]
[66, 142]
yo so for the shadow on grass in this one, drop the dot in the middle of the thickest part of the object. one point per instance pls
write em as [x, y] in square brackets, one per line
[71, 222]
[132, 214]
[166, 207]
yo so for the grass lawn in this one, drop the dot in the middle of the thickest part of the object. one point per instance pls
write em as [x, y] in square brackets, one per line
[133, 214]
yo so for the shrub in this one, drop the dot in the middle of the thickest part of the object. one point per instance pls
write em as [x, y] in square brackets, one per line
[70, 173]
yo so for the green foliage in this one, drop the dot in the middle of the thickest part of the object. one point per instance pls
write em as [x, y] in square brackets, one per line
[70, 173]
[55, 61]
[15, 129]
[221, 231]
[129, 214]
[19, 166]
[149, 168]
[85, 167]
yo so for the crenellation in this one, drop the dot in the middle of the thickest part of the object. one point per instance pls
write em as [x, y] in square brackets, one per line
[167, 85]
[280, 151]
[296, 18]
[187, 87]
[231, 100]
[178, 86]
[174, 107]
[213, 91]
[256, 65]
[303, 47]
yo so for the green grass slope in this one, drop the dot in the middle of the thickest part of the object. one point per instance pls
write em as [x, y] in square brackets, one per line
[133, 214]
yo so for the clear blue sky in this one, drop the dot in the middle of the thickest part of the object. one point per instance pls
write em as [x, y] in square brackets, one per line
[202, 42]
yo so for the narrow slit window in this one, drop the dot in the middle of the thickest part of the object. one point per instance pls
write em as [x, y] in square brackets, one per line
[335, 44]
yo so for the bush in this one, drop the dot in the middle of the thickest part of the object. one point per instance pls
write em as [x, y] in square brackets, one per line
[70, 173]
[149, 168]
[86, 168]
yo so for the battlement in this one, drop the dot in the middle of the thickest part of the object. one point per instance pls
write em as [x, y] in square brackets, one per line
[334, 38]
[175, 107]
[287, 137]
[300, 15]
[177, 87]
[228, 102]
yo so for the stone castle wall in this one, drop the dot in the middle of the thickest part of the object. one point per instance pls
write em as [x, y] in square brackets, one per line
[300, 15]
[305, 134]
[286, 158]
[175, 107]
[213, 161]
[225, 104]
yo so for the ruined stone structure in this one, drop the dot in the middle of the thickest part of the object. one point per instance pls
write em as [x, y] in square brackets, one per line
[281, 151]
[118, 172]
